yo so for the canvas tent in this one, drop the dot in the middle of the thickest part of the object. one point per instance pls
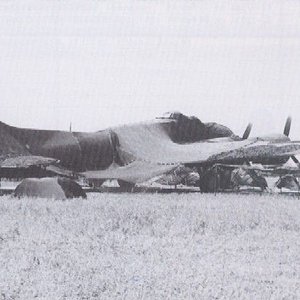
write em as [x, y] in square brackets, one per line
[56, 188]
[289, 182]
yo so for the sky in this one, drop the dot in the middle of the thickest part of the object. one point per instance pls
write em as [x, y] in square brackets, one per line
[104, 63]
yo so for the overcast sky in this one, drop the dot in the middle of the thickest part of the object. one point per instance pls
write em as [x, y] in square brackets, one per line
[102, 63]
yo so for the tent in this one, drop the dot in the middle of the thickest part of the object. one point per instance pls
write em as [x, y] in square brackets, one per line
[57, 188]
[289, 182]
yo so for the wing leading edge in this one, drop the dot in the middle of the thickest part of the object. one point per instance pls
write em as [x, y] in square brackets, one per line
[135, 172]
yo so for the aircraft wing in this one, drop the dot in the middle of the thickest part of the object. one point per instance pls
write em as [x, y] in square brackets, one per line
[135, 172]
[257, 150]
[142, 170]
[280, 171]
[27, 161]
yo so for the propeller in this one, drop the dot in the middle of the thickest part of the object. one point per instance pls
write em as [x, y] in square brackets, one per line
[287, 126]
[247, 131]
[286, 132]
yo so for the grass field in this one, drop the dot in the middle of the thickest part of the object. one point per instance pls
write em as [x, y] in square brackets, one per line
[148, 246]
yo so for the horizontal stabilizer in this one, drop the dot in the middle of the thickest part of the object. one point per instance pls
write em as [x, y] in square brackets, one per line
[27, 161]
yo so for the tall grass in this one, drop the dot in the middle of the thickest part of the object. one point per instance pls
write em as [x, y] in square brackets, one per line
[147, 246]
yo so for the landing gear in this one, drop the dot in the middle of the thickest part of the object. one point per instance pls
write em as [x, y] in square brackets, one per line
[95, 184]
[214, 179]
[209, 180]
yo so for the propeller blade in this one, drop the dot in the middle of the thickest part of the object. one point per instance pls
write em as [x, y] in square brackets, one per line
[287, 126]
[247, 131]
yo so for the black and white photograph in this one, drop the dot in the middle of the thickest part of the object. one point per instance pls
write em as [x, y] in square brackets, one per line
[149, 149]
